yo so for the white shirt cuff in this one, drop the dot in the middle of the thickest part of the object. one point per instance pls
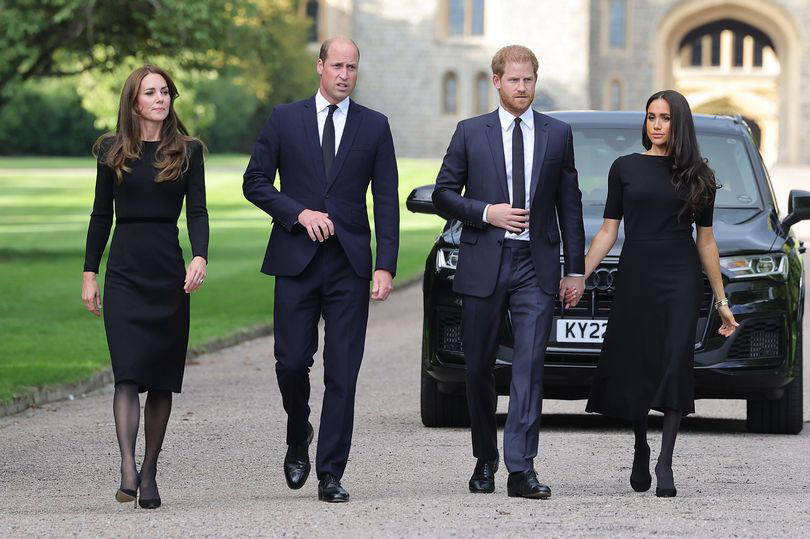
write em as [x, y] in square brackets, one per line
[484, 217]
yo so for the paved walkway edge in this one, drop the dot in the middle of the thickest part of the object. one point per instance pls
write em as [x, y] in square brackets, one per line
[58, 392]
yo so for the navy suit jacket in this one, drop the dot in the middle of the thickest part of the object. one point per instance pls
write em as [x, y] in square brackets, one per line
[289, 144]
[475, 164]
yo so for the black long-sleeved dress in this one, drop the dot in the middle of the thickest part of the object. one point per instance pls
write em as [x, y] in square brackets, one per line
[146, 310]
[647, 358]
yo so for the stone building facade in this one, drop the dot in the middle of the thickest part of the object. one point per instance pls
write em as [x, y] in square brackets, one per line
[425, 63]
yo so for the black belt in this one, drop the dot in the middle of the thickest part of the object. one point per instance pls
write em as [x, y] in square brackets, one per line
[515, 244]
[127, 220]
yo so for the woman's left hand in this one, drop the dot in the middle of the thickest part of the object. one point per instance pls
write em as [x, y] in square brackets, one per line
[729, 324]
[195, 275]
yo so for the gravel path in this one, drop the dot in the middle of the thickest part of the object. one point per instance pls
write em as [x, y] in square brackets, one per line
[220, 471]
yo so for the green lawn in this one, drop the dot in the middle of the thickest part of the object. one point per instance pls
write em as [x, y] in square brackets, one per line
[46, 335]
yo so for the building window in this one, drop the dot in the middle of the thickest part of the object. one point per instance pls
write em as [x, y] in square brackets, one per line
[482, 93]
[465, 17]
[450, 93]
[311, 8]
[455, 17]
[617, 27]
[616, 101]
[477, 28]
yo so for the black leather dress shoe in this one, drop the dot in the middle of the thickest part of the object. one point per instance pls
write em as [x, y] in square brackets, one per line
[296, 462]
[329, 490]
[526, 485]
[483, 477]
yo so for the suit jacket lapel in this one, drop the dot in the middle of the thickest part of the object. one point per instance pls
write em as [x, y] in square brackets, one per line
[309, 117]
[495, 138]
[540, 142]
[346, 140]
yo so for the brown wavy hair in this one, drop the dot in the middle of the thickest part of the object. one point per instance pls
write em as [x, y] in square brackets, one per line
[691, 174]
[120, 149]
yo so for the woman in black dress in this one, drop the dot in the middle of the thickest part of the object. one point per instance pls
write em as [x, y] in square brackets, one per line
[146, 168]
[648, 353]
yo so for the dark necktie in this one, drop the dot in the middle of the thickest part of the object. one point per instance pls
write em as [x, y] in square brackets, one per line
[328, 141]
[518, 172]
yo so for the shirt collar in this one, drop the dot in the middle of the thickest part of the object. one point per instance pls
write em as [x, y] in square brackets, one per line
[507, 118]
[321, 103]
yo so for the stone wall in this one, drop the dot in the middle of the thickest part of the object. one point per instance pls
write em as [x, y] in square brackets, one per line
[405, 56]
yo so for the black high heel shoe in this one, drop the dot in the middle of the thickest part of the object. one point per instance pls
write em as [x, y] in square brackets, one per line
[668, 490]
[149, 503]
[640, 478]
[152, 503]
[125, 495]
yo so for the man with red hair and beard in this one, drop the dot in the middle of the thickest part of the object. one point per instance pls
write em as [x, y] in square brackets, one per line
[516, 170]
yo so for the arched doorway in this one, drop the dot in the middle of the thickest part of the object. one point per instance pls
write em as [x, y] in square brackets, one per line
[730, 67]
[735, 56]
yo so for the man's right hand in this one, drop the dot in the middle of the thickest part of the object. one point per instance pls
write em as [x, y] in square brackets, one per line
[318, 225]
[505, 216]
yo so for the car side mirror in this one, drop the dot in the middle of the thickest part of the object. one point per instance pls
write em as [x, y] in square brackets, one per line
[421, 200]
[798, 208]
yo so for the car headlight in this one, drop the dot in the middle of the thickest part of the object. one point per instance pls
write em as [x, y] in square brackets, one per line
[773, 265]
[446, 258]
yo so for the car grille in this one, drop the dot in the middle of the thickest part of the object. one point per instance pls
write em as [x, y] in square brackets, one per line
[758, 339]
[596, 302]
[448, 329]
[599, 291]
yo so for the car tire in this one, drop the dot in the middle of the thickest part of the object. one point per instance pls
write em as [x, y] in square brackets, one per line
[785, 415]
[442, 409]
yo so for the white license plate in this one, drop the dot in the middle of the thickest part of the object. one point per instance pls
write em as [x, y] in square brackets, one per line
[573, 330]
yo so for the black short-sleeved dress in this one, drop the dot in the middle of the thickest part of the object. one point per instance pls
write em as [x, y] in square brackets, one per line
[647, 357]
[146, 310]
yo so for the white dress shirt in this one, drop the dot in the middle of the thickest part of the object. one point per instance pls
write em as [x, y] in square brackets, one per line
[507, 128]
[527, 128]
[338, 117]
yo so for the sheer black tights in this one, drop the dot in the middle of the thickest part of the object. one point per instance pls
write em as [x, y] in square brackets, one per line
[663, 468]
[127, 413]
[640, 476]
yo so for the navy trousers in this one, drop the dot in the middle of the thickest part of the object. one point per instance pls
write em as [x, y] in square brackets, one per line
[328, 287]
[531, 312]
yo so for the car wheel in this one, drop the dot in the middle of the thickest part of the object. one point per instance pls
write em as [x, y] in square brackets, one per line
[442, 409]
[783, 416]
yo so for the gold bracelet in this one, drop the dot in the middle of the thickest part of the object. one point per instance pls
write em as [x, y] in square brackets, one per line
[720, 303]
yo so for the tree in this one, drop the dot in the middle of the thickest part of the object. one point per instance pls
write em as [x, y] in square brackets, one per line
[233, 60]
[47, 38]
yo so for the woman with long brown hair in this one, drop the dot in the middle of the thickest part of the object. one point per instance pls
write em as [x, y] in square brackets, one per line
[647, 358]
[147, 167]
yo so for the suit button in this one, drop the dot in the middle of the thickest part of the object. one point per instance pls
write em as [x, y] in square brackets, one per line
[500, 242]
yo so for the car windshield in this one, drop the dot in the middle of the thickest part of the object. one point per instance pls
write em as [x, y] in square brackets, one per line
[596, 149]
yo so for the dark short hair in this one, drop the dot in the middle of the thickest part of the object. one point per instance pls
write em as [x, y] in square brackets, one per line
[326, 44]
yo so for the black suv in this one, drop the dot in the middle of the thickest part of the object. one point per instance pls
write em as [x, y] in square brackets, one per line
[762, 271]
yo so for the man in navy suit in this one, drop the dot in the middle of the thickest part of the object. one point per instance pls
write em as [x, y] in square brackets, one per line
[326, 149]
[516, 170]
